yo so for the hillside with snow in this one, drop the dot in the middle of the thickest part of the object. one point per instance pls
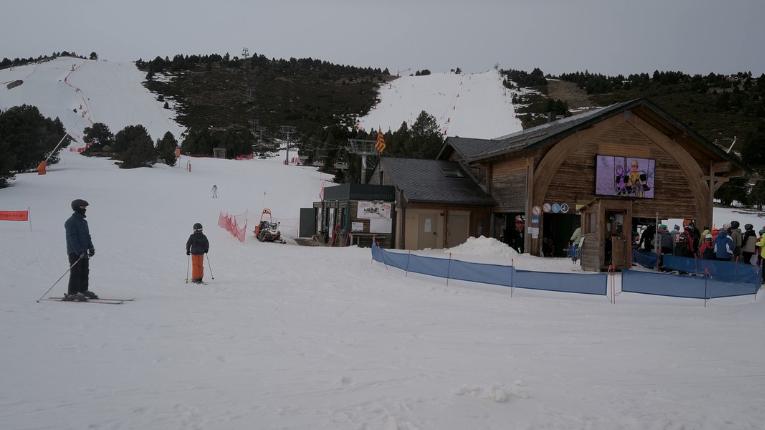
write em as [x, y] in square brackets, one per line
[81, 92]
[292, 337]
[468, 105]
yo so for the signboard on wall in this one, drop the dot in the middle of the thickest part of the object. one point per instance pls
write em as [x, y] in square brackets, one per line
[357, 226]
[373, 210]
[625, 177]
[378, 225]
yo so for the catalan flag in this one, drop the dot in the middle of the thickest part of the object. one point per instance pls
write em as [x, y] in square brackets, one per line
[380, 144]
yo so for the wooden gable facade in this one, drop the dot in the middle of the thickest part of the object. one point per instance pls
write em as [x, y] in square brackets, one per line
[554, 166]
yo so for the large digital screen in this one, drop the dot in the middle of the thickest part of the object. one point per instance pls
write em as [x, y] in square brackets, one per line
[625, 177]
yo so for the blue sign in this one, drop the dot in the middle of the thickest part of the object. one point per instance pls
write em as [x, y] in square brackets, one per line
[556, 208]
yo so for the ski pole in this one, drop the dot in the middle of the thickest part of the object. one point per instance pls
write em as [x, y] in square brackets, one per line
[188, 262]
[61, 277]
[210, 266]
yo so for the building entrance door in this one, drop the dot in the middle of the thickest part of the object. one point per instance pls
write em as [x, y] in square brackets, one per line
[429, 230]
[557, 231]
[616, 241]
[457, 228]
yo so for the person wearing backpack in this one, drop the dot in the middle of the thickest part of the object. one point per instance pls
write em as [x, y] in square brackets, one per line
[748, 248]
[724, 245]
[736, 237]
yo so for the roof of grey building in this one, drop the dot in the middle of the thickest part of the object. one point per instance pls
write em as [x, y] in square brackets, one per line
[434, 181]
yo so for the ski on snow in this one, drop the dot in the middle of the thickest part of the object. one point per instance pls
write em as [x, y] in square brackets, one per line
[104, 301]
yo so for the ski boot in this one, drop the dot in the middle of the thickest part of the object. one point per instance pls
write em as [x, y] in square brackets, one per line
[89, 295]
[76, 297]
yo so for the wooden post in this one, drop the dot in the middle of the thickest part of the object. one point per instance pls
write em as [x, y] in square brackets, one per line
[656, 242]
[527, 241]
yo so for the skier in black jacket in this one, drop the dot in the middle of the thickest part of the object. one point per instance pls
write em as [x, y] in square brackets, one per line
[197, 246]
[79, 247]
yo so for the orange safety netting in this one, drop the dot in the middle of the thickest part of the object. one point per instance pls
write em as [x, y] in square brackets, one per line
[14, 215]
[229, 223]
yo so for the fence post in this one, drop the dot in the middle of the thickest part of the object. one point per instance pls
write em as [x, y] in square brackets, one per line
[612, 280]
[512, 275]
[706, 294]
[373, 245]
[449, 269]
[408, 257]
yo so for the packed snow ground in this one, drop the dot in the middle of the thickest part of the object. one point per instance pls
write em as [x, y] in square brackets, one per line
[468, 105]
[82, 92]
[293, 337]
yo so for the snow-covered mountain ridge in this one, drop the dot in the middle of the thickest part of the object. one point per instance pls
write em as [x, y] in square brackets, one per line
[81, 92]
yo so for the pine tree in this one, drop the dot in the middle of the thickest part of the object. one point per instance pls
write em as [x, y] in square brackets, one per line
[134, 147]
[26, 138]
[99, 137]
[166, 149]
[426, 137]
[733, 190]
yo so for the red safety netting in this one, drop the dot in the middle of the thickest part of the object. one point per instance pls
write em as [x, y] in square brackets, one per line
[231, 225]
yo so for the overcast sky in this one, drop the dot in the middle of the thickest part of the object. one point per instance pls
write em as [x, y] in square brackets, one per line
[695, 36]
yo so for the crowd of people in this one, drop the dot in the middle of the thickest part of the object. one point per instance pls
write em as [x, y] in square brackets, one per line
[728, 243]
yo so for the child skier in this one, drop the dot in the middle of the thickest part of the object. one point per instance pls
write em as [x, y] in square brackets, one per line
[197, 246]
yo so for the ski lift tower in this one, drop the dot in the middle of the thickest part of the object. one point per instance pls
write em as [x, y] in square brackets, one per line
[364, 148]
[287, 131]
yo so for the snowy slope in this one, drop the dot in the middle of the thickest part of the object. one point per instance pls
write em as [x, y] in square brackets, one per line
[467, 105]
[81, 92]
[293, 337]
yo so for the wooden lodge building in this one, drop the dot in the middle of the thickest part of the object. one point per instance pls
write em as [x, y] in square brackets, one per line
[438, 205]
[606, 170]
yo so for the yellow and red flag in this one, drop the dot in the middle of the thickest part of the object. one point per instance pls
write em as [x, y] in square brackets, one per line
[380, 144]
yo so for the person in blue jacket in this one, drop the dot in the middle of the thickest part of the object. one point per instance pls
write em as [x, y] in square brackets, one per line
[79, 247]
[724, 245]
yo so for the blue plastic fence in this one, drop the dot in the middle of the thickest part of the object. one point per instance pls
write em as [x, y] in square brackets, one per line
[646, 259]
[595, 283]
[494, 274]
[723, 271]
[693, 287]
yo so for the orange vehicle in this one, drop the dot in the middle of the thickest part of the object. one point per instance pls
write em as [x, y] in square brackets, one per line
[267, 230]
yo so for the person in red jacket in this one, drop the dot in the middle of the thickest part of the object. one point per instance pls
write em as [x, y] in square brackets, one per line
[707, 248]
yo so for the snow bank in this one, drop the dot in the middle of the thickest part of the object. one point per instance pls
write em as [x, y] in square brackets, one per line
[483, 247]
